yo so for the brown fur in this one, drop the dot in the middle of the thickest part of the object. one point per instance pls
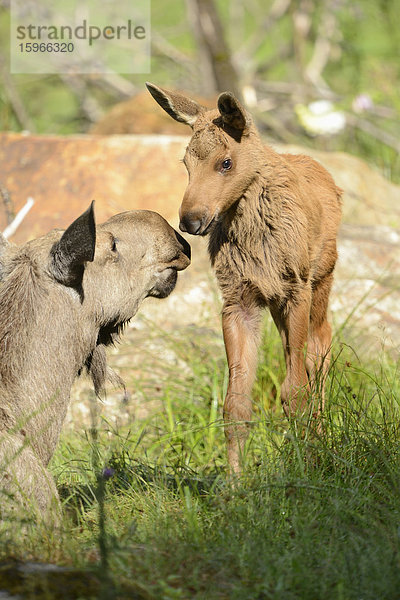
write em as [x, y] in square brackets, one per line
[272, 221]
[63, 298]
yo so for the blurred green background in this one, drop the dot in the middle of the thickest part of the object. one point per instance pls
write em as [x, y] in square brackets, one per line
[278, 55]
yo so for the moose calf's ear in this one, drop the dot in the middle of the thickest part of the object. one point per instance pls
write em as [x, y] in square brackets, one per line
[179, 107]
[232, 112]
[76, 246]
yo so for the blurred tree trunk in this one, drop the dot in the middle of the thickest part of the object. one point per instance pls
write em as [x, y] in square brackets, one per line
[302, 11]
[14, 98]
[217, 70]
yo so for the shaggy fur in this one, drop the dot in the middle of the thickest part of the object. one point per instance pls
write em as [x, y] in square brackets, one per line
[272, 221]
[63, 298]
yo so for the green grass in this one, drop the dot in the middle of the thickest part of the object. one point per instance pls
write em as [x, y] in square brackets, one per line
[314, 515]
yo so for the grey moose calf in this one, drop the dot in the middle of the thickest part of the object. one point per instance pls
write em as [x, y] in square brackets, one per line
[63, 298]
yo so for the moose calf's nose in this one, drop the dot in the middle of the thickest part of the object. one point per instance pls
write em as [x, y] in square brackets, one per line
[190, 225]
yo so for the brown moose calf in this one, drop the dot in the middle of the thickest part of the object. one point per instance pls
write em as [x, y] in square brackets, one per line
[63, 298]
[272, 221]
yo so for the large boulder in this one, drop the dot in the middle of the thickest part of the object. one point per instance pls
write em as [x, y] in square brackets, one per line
[369, 198]
[63, 174]
[139, 114]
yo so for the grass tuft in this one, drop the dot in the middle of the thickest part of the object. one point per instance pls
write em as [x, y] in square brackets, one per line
[149, 511]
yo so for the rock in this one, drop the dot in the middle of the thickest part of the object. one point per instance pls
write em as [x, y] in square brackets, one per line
[39, 580]
[369, 198]
[140, 115]
[43, 581]
[366, 294]
[64, 174]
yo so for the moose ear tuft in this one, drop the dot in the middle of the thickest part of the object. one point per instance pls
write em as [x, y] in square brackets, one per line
[179, 107]
[76, 246]
[232, 112]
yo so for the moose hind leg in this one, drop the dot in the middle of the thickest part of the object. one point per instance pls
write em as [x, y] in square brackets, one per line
[292, 323]
[241, 327]
[319, 338]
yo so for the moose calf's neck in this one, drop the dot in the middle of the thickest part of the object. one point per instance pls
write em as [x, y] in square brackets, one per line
[248, 246]
[35, 332]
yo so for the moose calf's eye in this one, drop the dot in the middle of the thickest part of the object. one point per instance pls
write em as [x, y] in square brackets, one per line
[114, 245]
[226, 164]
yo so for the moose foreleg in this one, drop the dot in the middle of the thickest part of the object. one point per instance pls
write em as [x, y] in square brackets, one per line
[25, 483]
[241, 326]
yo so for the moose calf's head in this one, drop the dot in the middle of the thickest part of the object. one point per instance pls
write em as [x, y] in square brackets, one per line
[222, 159]
[105, 271]
[137, 255]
